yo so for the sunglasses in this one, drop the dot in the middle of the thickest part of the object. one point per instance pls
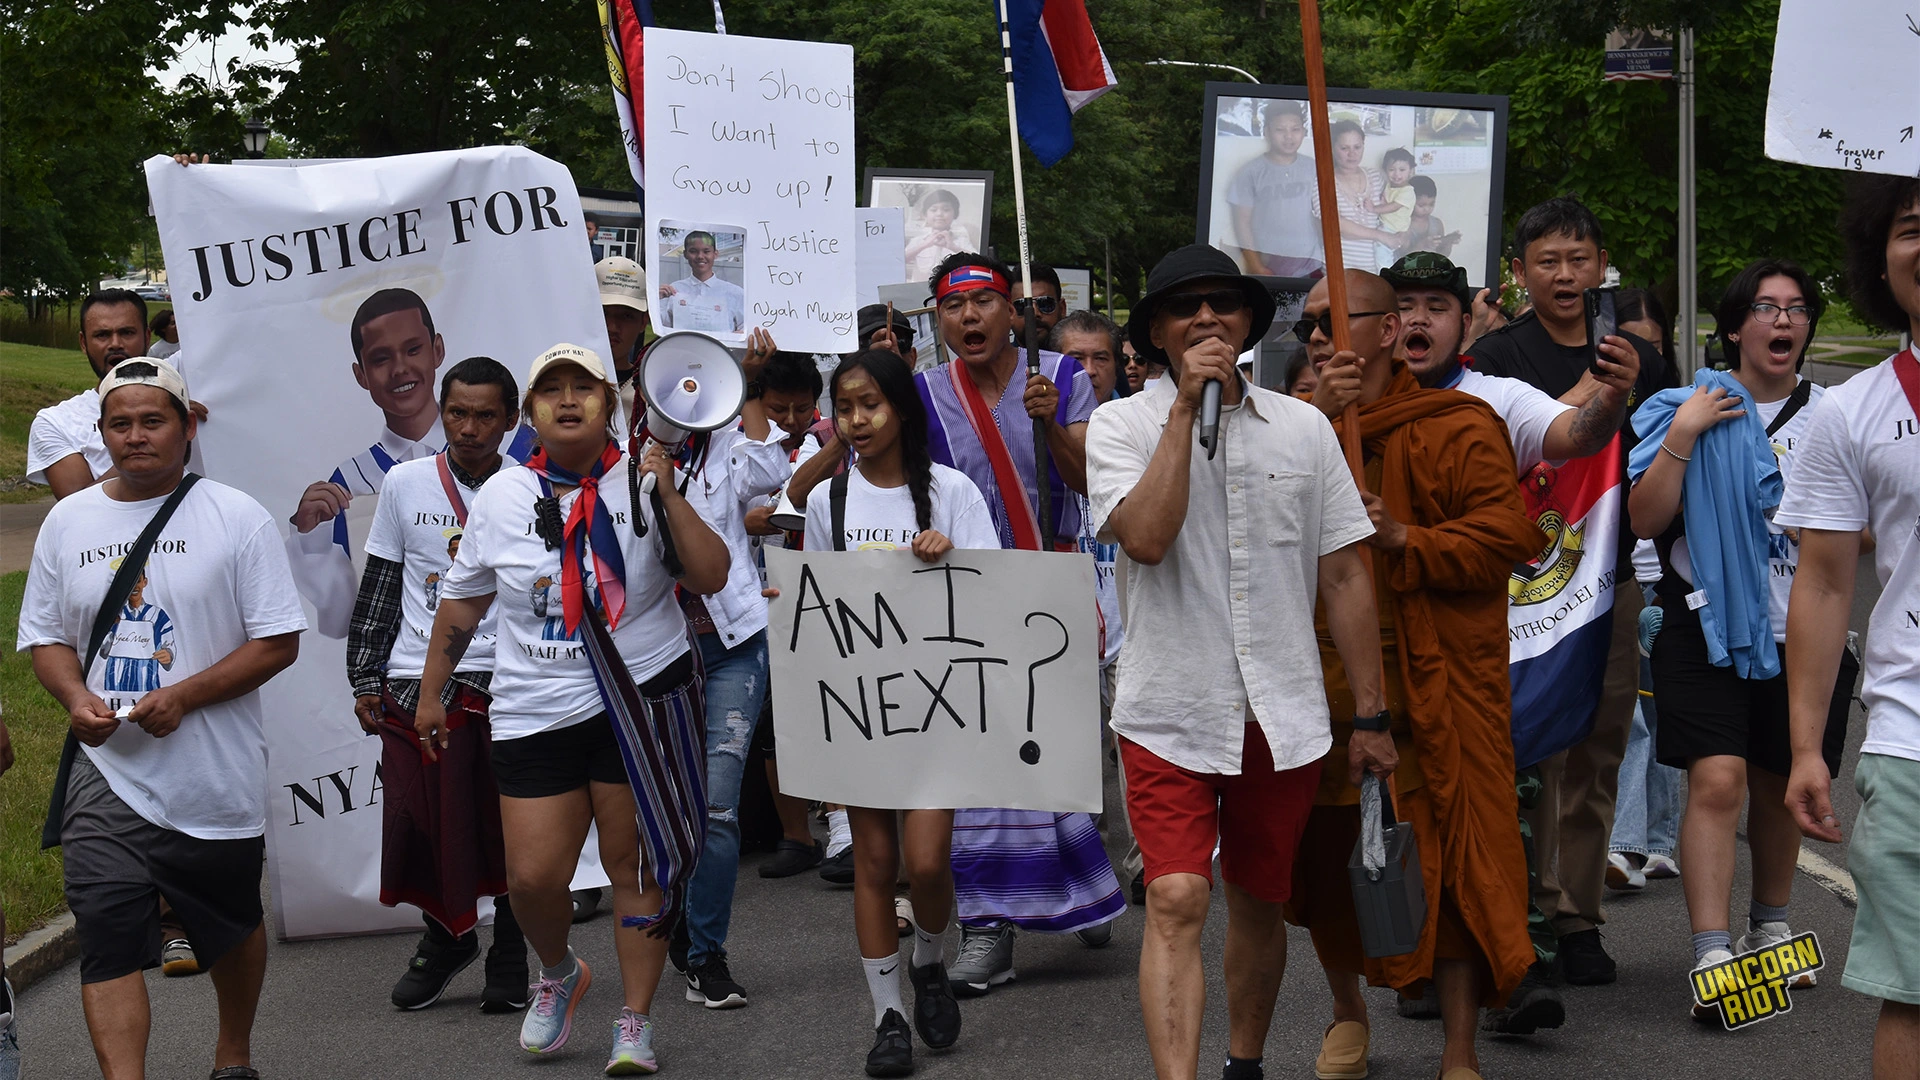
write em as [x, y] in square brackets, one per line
[1045, 305]
[1187, 304]
[1305, 327]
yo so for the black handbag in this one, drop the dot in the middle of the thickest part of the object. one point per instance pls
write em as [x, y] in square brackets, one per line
[1389, 895]
[103, 623]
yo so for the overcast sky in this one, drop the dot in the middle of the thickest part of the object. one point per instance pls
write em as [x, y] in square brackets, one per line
[196, 57]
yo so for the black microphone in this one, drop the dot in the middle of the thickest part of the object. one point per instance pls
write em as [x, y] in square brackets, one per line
[1210, 417]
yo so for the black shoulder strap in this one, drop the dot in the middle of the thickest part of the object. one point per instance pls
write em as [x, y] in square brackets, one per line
[103, 622]
[837, 503]
[1798, 401]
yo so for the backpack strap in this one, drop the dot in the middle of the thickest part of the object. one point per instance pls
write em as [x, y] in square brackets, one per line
[1796, 402]
[103, 623]
[837, 503]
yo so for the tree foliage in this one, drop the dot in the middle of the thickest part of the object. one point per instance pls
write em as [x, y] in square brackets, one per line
[374, 77]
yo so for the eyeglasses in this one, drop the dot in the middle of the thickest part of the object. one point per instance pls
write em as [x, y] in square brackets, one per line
[1045, 305]
[1797, 314]
[1305, 327]
[1187, 304]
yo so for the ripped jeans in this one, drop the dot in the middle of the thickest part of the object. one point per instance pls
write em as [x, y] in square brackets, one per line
[736, 688]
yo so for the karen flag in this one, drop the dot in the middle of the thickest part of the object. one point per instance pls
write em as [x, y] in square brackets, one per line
[1559, 616]
[1058, 67]
[621, 25]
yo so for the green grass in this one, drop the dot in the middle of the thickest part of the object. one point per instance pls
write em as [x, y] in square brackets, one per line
[35, 378]
[30, 884]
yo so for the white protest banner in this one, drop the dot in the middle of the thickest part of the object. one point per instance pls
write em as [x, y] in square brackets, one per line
[1845, 94]
[970, 682]
[879, 250]
[750, 196]
[269, 269]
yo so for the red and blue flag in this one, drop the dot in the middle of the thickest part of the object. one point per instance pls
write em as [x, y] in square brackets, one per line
[1058, 67]
[1559, 615]
[622, 26]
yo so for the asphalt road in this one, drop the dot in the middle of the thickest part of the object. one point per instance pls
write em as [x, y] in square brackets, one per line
[1072, 1013]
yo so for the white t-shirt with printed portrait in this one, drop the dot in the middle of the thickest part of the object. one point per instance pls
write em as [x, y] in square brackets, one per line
[882, 519]
[217, 578]
[1858, 465]
[542, 679]
[415, 525]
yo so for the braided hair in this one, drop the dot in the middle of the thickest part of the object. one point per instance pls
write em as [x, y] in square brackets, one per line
[894, 380]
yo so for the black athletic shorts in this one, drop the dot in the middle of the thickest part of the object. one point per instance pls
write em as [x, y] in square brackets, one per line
[119, 865]
[763, 731]
[560, 760]
[1707, 711]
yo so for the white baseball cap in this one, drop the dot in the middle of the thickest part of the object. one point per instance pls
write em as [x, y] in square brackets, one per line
[622, 282]
[146, 371]
[568, 354]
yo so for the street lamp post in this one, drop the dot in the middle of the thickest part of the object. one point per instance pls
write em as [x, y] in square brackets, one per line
[1242, 72]
[257, 136]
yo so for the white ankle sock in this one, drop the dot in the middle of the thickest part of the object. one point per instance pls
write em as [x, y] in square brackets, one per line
[927, 947]
[839, 833]
[883, 984]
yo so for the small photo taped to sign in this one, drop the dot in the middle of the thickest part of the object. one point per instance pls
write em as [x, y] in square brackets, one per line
[1756, 986]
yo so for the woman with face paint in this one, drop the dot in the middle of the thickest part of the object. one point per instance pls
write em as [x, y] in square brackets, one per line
[586, 604]
[897, 499]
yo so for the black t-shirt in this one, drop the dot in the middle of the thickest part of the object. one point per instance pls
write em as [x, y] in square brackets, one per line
[1523, 350]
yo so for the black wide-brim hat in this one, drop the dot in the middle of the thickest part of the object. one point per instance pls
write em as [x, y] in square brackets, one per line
[1192, 263]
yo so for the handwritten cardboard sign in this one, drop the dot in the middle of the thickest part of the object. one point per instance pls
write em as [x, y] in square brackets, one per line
[752, 138]
[969, 682]
[1844, 95]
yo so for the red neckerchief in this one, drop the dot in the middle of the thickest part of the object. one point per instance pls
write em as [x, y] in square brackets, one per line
[1013, 493]
[589, 533]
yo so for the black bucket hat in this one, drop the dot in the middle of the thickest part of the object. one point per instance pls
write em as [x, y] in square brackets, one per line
[1188, 264]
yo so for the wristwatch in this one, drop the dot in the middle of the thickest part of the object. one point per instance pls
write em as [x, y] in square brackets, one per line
[1377, 722]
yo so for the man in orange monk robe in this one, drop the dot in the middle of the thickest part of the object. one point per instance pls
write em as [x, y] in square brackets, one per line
[1449, 528]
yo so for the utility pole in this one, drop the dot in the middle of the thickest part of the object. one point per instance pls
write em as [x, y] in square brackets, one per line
[1687, 356]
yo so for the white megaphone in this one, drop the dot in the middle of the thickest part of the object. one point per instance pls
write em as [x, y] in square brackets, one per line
[691, 383]
[786, 515]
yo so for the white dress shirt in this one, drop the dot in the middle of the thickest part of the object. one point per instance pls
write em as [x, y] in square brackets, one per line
[713, 306]
[1220, 633]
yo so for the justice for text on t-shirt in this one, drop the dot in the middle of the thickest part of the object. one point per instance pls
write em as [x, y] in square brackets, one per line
[415, 525]
[882, 519]
[216, 579]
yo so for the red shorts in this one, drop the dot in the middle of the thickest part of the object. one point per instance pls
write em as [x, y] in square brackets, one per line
[1257, 817]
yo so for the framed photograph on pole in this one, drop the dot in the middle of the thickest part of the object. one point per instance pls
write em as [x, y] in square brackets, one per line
[947, 210]
[1414, 172]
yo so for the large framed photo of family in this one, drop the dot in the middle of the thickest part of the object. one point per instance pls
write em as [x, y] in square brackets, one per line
[947, 210]
[1412, 172]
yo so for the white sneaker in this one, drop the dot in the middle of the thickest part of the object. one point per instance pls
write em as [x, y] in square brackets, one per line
[1660, 866]
[1709, 1013]
[1622, 875]
[1769, 934]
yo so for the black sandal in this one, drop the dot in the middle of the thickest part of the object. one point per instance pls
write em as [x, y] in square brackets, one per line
[235, 1072]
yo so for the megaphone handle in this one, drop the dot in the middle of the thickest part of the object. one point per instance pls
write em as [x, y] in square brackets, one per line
[649, 481]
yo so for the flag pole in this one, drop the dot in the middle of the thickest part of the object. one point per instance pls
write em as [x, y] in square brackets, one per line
[1042, 466]
[1329, 221]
